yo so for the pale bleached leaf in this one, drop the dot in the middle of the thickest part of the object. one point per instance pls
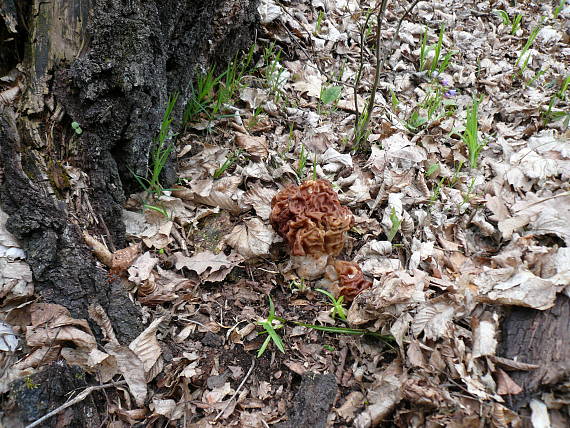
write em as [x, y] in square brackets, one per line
[132, 369]
[259, 196]
[251, 239]
[146, 346]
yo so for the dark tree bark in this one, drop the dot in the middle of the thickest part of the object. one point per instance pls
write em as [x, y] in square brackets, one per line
[541, 338]
[109, 65]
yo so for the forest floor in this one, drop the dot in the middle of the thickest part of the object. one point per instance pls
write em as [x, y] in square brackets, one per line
[459, 189]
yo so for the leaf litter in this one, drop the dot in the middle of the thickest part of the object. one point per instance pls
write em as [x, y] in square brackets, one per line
[450, 246]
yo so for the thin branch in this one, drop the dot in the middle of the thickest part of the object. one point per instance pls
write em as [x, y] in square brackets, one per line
[237, 391]
[76, 400]
[381, 60]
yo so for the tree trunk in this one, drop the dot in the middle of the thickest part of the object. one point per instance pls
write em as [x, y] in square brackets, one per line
[110, 66]
[541, 338]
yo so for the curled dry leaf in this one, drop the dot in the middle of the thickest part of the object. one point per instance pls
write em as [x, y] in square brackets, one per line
[146, 346]
[256, 146]
[251, 239]
[53, 324]
[259, 197]
[132, 369]
[209, 266]
[141, 269]
[515, 286]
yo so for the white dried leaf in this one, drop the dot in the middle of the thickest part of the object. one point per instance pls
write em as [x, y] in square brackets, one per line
[141, 269]
[519, 287]
[207, 264]
[268, 11]
[251, 239]
[132, 369]
[539, 414]
[146, 346]
[259, 196]
[484, 336]
[8, 340]
[433, 320]
[223, 193]
[333, 161]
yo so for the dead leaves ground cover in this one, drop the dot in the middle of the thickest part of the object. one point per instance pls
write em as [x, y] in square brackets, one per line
[466, 241]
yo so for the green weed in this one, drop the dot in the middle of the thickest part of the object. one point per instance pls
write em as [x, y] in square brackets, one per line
[396, 222]
[230, 160]
[302, 163]
[337, 304]
[212, 92]
[76, 128]
[273, 72]
[514, 23]
[560, 95]
[471, 134]
[438, 64]
[319, 23]
[273, 323]
[160, 154]
[524, 57]
[272, 335]
[329, 96]
[558, 8]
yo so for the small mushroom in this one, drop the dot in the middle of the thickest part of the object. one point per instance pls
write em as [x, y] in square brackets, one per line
[344, 279]
[312, 221]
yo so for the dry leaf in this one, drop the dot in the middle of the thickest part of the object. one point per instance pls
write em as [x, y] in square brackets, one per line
[251, 239]
[256, 146]
[146, 346]
[132, 369]
[207, 264]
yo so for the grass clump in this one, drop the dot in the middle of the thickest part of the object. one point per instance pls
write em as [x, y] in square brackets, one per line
[471, 134]
[163, 147]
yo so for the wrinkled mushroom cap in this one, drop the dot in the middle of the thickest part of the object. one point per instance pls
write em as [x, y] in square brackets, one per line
[310, 218]
[345, 279]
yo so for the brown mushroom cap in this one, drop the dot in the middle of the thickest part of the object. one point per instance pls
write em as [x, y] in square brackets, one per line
[310, 218]
[351, 279]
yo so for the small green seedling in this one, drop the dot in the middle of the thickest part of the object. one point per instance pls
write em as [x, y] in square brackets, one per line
[432, 169]
[302, 163]
[319, 23]
[560, 95]
[330, 94]
[298, 285]
[157, 208]
[524, 57]
[230, 160]
[272, 335]
[471, 134]
[558, 8]
[436, 65]
[508, 22]
[396, 222]
[329, 348]
[337, 307]
[161, 152]
[76, 128]
[274, 71]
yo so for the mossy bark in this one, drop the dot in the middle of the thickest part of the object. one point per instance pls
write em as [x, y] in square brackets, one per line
[109, 65]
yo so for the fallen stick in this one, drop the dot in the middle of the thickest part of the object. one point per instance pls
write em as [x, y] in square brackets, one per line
[76, 400]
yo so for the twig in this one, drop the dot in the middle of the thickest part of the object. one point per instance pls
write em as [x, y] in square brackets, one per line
[237, 391]
[380, 61]
[76, 400]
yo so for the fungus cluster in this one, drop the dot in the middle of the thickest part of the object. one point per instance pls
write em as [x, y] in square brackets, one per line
[312, 221]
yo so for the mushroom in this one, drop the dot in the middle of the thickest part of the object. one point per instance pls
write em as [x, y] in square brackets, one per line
[344, 279]
[312, 221]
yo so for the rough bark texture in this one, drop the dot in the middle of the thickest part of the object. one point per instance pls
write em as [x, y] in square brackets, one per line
[312, 402]
[109, 65]
[542, 338]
